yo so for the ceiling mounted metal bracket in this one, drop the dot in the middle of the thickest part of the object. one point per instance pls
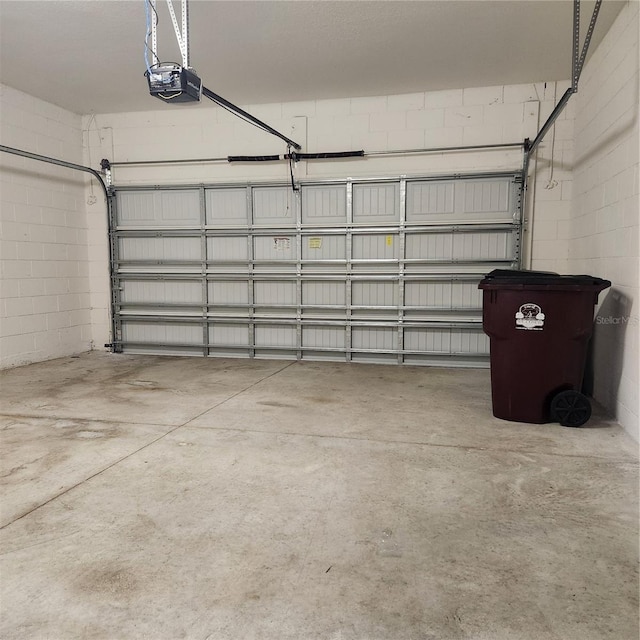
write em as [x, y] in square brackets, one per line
[171, 82]
[577, 63]
[587, 42]
[182, 36]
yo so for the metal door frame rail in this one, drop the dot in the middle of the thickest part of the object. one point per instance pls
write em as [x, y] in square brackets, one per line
[366, 154]
[297, 271]
[516, 174]
[59, 163]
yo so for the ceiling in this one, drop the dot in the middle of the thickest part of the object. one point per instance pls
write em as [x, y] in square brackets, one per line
[88, 55]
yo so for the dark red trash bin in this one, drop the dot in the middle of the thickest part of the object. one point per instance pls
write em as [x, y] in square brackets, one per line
[539, 324]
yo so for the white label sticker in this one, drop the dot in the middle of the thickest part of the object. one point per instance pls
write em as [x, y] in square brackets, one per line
[282, 244]
[530, 317]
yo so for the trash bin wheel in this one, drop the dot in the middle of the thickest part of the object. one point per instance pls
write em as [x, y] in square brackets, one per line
[570, 409]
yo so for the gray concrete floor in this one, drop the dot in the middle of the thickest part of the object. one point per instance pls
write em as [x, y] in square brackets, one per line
[166, 498]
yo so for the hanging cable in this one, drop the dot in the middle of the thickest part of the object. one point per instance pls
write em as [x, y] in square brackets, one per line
[147, 48]
[290, 155]
[91, 200]
[551, 183]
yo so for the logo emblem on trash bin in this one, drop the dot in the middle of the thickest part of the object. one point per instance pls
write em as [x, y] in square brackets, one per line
[530, 317]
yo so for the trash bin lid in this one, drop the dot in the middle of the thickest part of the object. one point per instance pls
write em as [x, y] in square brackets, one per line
[515, 279]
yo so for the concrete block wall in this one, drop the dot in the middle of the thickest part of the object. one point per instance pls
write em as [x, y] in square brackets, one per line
[604, 223]
[44, 280]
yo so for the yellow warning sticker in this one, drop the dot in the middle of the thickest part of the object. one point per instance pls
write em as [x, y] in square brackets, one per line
[389, 241]
[315, 243]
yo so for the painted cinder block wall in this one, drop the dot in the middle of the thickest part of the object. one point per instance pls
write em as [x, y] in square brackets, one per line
[44, 281]
[605, 212]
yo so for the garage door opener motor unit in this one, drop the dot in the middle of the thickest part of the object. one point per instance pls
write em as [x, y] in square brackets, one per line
[175, 83]
[170, 81]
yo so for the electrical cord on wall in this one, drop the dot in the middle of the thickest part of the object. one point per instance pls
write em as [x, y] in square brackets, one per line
[92, 199]
[293, 183]
[551, 183]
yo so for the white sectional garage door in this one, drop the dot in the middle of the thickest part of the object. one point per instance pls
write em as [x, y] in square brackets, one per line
[361, 270]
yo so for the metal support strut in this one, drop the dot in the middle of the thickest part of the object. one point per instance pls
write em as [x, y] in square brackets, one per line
[577, 63]
[214, 97]
[320, 156]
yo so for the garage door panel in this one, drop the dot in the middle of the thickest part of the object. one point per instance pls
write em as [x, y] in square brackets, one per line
[375, 203]
[275, 293]
[379, 246]
[373, 358]
[324, 205]
[486, 197]
[275, 335]
[166, 248]
[443, 295]
[274, 206]
[430, 201]
[446, 340]
[233, 292]
[483, 245]
[389, 274]
[461, 200]
[378, 338]
[161, 292]
[315, 337]
[323, 293]
[429, 340]
[228, 335]
[158, 208]
[469, 341]
[429, 246]
[227, 249]
[226, 207]
[162, 333]
[375, 293]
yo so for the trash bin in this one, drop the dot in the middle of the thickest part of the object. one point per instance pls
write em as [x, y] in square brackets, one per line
[539, 324]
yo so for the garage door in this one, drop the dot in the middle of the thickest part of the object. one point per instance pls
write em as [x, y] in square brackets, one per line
[355, 270]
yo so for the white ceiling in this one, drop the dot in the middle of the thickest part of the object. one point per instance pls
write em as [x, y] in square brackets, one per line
[87, 55]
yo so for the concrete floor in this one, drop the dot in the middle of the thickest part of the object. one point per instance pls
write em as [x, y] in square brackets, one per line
[166, 498]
